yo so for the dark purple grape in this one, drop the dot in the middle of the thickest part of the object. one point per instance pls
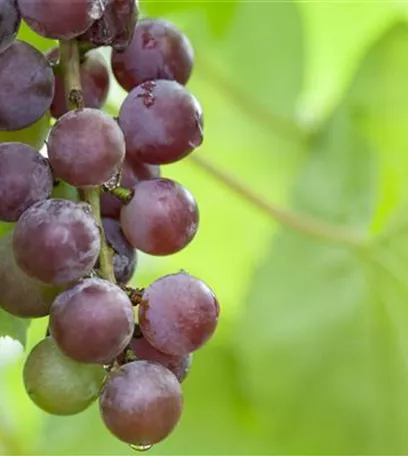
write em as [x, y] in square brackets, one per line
[124, 259]
[56, 241]
[61, 19]
[179, 365]
[94, 81]
[178, 314]
[21, 295]
[158, 50]
[161, 218]
[9, 22]
[25, 179]
[141, 403]
[93, 321]
[115, 28]
[162, 122]
[27, 86]
[86, 148]
[131, 175]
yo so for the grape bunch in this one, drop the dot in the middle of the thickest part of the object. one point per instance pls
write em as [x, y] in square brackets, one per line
[79, 213]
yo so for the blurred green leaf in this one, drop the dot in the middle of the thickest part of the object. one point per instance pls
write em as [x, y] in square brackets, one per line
[14, 327]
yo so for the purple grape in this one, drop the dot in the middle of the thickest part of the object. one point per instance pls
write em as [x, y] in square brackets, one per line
[115, 28]
[25, 179]
[178, 314]
[92, 322]
[141, 403]
[21, 295]
[9, 23]
[162, 122]
[161, 218]
[94, 81]
[131, 175]
[124, 259]
[158, 50]
[56, 241]
[179, 365]
[61, 19]
[86, 148]
[27, 86]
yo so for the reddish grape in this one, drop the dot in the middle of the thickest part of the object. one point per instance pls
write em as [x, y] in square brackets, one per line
[178, 314]
[162, 122]
[27, 84]
[25, 179]
[161, 218]
[61, 19]
[131, 175]
[158, 50]
[141, 403]
[56, 241]
[9, 23]
[115, 28]
[94, 81]
[86, 148]
[92, 322]
[179, 365]
[21, 295]
[124, 259]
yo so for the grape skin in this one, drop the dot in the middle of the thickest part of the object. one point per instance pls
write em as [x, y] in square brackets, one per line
[25, 179]
[162, 122]
[94, 82]
[141, 403]
[158, 50]
[82, 159]
[61, 19]
[57, 384]
[161, 218]
[9, 23]
[178, 314]
[93, 321]
[20, 295]
[29, 80]
[56, 241]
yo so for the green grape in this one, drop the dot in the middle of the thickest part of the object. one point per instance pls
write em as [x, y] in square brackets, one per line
[57, 384]
[34, 135]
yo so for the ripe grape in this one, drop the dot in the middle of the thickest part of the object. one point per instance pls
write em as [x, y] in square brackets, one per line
[57, 384]
[158, 50]
[9, 23]
[179, 365]
[92, 322]
[161, 218]
[94, 81]
[131, 175]
[124, 259]
[162, 122]
[178, 314]
[25, 179]
[56, 241]
[21, 295]
[86, 148]
[141, 403]
[115, 28]
[61, 19]
[27, 84]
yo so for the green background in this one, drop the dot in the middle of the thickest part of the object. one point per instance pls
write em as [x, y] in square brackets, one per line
[306, 103]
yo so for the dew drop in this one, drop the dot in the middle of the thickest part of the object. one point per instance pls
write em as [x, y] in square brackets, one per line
[141, 447]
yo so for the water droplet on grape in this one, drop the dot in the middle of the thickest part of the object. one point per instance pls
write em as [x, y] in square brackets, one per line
[141, 447]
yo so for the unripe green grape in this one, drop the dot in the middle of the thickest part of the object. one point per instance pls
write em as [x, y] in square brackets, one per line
[57, 384]
[34, 135]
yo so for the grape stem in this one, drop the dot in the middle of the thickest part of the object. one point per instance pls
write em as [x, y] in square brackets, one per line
[301, 223]
[70, 61]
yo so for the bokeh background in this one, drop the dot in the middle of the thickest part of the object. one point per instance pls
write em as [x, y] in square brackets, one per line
[306, 104]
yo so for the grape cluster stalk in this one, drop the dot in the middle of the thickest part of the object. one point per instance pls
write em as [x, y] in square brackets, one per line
[80, 215]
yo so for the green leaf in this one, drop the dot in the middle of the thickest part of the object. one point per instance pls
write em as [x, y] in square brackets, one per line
[14, 327]
[328, 345]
